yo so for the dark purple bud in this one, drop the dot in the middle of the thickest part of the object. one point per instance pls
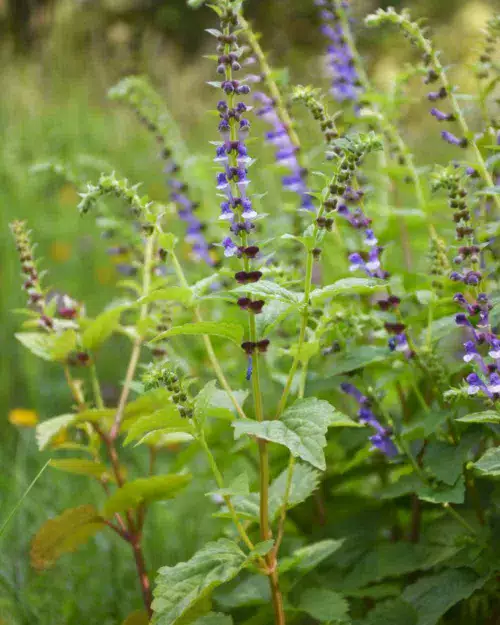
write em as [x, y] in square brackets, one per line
[263, 345]
[244, 302]
[248, 347]
[256, 306]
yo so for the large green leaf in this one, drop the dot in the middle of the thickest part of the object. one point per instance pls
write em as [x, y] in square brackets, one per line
[101, 328]
[433, 596]
[307, 558]
[357, 358]
[305, 480]
[144, 490]
[231, 331]
[52, 347]
[324, 605]
[347, 286]
[49, 429]
[271, 290]
[489, 463]
[167, 420]
[301, 429]
[202, 403]
[446, 461]
[148, 403]
[64, 534]
[180, 587]
[443, 493]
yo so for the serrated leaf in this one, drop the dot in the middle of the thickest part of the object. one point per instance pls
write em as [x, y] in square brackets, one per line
[179, 294]
[221, 406]
[238, 486]
[442, 493]
[143, 490]
[50, 347]
[262, 548]
[301, 429]
[433, 596]
[488, 416]
[49, 429]
[82, 466]
[305, 480]
[180, 587]
[166, 420]
[231, 331]
[63, 534]
[489, 463]
[251, 591]
[101, 328]
[357, 358]
[324, 605]
[270, 290]
[347, 286]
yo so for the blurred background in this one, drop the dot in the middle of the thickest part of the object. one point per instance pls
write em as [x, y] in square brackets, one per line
[59, 58]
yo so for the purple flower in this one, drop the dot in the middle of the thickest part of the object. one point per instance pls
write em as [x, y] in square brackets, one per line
[230, 249]
[381, 440]
[440, 116]
[453, 140]
[476, 385]
[340, 61]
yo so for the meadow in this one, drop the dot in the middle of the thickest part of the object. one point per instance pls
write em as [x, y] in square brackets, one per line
[400, 528]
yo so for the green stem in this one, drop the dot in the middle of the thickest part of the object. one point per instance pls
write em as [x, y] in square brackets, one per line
[96, 386]
[137, 345]
[220, 483]
[207, 342]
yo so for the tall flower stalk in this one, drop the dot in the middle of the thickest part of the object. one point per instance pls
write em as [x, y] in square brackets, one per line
[237, 208]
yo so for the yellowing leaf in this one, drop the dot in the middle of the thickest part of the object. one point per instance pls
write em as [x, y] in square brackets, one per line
[139, 617]
[64, 534]
[46, 431]
[23, 417]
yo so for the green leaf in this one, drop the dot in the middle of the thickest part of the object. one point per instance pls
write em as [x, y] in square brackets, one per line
[180, 587]
[445, 461]
[443, 493]
[221, 406]
[49, 429]
[385, 560]
[214, 618]
[238, 486]
[393, 612]
[340, 420]
[231, 331]
[301, 429]
[433, 596]
[179, 294]
[488, 416]
[357, 358]
[202, 403]
[271, 290]
[142, 490]
[489, 463]
[63, 534]
[307, 558]
[51, 347]
[347, 286]
[324, 605]
[305, 480]
[251, 591]
[262, 548]
[82, 466]
[167, 420]
[101, 328]
[148, 403]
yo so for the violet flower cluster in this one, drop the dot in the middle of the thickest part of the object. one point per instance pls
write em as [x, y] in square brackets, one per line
[345, 80]
[368, 260]
[232, 182]
[381, 440]
[286, 152]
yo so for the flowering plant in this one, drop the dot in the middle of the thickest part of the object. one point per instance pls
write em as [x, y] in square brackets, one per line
[323, 377]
